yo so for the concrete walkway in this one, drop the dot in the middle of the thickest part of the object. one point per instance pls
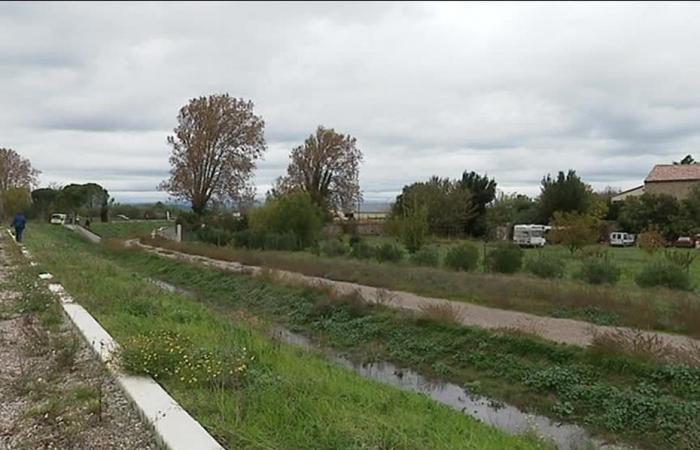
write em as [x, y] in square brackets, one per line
[566, 331]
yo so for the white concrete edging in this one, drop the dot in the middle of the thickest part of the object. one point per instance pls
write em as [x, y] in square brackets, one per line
[174, 427]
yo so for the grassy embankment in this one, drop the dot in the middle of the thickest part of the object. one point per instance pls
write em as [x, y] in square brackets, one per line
[248, 391]
[659, 309]
[623, 396]
[127, 229]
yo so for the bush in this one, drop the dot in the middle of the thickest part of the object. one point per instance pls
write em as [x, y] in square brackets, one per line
[388, 252]
[426, 256]
[414, 229]
[294, 213]
[504, 258]
[599, 271]
[362, 250]
[281, 241]
[214, 236]
[333, 247]
[661, 273]
[546, 266]
[462, 257]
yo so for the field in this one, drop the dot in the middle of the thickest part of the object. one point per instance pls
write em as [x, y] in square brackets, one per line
[618, 395]
[125, 230]
[659, 309]
[247, 389]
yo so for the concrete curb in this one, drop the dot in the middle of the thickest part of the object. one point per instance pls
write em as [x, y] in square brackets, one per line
[174, 427]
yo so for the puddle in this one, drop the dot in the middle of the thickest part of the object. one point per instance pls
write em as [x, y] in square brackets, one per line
[500, 415]
[497, 414]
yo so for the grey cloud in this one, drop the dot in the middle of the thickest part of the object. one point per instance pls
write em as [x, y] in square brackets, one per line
[90, 91]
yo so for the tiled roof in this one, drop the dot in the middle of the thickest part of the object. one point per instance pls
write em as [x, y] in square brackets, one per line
[674, 172]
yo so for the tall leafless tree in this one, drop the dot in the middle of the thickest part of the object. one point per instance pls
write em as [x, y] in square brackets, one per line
[214, 148]
[16, 171]
[327, 167]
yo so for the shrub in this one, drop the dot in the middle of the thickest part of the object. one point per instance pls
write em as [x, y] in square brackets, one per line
[355, 239]
[281, 241]
[388, 252]
[414, 229]
[462, 257]
[293, 213]
[651, 240]
[682, 259]
[333, 247]
[426, 256]
[546, 266]
[504, 258]
[599, 271]
[662, 273]
[214, 236]
[362, 250]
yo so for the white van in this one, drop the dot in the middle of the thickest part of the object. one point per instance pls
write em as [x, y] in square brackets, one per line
[621, 239]
[58, 219]
[530, 235]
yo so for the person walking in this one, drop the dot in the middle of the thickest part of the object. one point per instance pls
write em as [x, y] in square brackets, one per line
[18, 224]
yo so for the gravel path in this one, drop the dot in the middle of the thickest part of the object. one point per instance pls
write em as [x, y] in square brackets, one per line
[53, 393]
[565, 331]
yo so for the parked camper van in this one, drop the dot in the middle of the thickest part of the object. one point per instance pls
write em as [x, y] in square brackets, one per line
[621, 239]
[58, 219]
[530, 235]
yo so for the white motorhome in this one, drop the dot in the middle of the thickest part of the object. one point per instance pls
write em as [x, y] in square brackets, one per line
[58, 219]
[621, 239]
[530, 235]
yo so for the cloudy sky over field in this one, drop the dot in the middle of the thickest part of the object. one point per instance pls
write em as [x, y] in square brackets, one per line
[89, 92]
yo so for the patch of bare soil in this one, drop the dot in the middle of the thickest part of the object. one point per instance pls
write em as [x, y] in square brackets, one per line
[54, 394]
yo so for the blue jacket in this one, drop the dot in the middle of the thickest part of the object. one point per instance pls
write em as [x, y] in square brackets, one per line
[20, 221]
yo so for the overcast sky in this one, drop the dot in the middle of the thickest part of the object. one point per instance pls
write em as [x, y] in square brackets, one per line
[89, 92]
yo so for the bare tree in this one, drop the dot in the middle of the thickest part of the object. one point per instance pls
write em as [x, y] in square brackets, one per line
[327, 167]
[16, 171]
[216, 143]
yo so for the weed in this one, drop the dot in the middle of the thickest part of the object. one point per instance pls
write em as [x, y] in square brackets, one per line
[442, 313]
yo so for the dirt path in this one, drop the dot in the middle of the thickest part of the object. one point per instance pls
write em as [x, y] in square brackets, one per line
[565, 331]
[53, 393]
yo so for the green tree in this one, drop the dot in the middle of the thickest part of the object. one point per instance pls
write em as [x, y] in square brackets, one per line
[449, 206]
[43, 202]
[414, 228]
[512, 209]
[14, 200]
[483, 192]
[574, 230]
[650, 210]
[565, 193]
[292, 213]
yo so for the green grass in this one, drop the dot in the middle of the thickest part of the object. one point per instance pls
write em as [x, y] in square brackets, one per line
[659, 309]
[127, 229]
[285, 398]
[617, 395]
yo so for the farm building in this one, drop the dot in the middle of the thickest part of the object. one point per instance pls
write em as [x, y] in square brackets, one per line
[677, 180]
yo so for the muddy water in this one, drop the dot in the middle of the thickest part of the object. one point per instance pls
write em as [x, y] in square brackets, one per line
[500, 415]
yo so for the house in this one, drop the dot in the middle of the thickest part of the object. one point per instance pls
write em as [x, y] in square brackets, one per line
[677, 180]
[634, 192]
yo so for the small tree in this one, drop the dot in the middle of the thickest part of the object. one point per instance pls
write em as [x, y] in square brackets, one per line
[565, 193]
[214, 148]
[16, 171]
[651, 240]
[293, 213]
[15, 200]
[574, 230]
[414, 228]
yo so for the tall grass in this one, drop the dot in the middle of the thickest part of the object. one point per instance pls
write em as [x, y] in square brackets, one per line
[289, 399]
[660, 309]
